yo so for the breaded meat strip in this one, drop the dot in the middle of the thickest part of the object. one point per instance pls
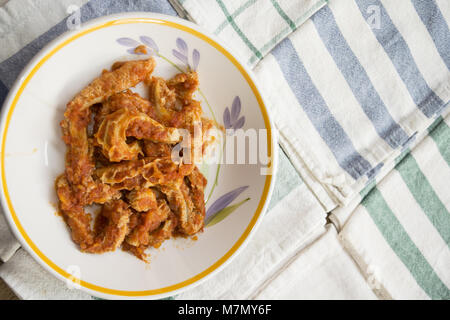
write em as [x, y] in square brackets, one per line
[79, 162]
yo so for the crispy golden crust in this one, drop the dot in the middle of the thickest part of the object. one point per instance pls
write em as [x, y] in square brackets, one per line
[79, 162]
[149, 221]
[119, 148]
[113, 232]
[142, 199]
[117, 126]
[187, 202]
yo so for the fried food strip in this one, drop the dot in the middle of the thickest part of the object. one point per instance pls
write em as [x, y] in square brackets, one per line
[129, 147]
[73, 213]
[174, 106]
[170, 97]
[164, 232]
[72, 206]
[161, 171]
[189, 118]
[142, 199]
[79, 162]
[117, 126]
[156, 150]
[149, 221]
[187, 202]
[144, 127]
[123, 100]
[128, 75]
[158, 227]
[184, 84]
[114, 231]
[163, 99]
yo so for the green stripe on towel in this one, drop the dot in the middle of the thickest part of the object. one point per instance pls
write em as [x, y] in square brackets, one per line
[426, 197]
[285, 32]
[287, 179]
[238, 30]
[398, 239]
[236, 13]
[441, 136]
[283, 15]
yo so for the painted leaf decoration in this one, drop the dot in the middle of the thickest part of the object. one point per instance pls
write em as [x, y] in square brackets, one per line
[225, 212]
[180, 56]
[182, 46]
[149, 42]
[224, 201]
[239, 124]
[227, 118]
[195, 59]
[127, 42]
[235, 108]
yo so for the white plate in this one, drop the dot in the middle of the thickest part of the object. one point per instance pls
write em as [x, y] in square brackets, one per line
[32, 154]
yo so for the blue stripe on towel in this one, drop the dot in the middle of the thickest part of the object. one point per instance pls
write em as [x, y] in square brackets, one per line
[11, 67]
[399, 53]
[436, 25]
[357, 79]
[3, 93]
[316, 109]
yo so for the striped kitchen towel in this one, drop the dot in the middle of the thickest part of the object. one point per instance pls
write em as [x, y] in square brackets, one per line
[251, 27]
[351, 87]
[340, 215]
[357, 94]
[400, 233]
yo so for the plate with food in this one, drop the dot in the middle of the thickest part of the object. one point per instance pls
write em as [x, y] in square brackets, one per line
[137, 156]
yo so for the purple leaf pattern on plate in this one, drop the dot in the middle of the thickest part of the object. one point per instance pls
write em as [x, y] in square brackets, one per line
[149, 43]
[227, 118]
[195, 59]
[223, 202]
[225, 212]
[128, 42]
[231, 120]
[133, 44]
[180, 56]
[239, 123]
[182, 46]
[235, 109]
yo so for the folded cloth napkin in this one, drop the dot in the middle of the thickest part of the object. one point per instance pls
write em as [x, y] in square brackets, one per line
[340, 215]
[252, 28]
[323, 271]
[400, 233]
[351, 87]
[8, 243]
[28, 280]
